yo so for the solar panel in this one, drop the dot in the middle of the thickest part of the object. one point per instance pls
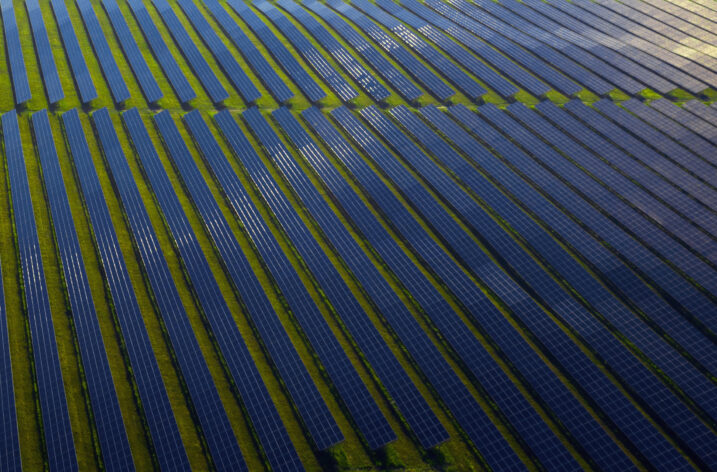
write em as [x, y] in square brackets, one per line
[10, 449]
[687, 228]
[80, 72]
[369, 419]
[216, 91]
[675, 21]
[456, 52]
[511, 41]
[365, 49]
[404, 393]
[145, 78]
[493, 49]
[466, 345]
[43, 50]
[265, 418]
[646, 438]
[164, 434]
[261, 67]
[311, 55]
[211, 418]
[701, 110]
[354, 68]
[633, 373]
[161, 52]
[437, 60]
[422, 74]
[670, 171]
[16, 60]
[224, 58]
[689, 120]
[114, 444]
[286, 60]
[113, 76]
[60, 448]
[313, 410]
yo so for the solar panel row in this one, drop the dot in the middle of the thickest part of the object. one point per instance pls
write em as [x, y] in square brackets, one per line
[20, 84]
[221, 53]
[427, 78]
[354, 68]
[316, 416]
[10, 449]
[212, 419]
[54, 414]
[216, 91]
[43, 50]
[161, 52]
[269, 428]
[145, 78]
[113, 76]
[153, 399]
[80, 72]
[438, 61]
[675, 21]
[311, 55]
[704, 129]
[467, 60]
[498, 58]
[365, 49]
[624, 416]
[276, 48]
[281, 92]
[114, 444]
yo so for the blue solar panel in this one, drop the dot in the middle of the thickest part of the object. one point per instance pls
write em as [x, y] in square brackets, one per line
[144, 76]
[699, 146]
[313, 410]
[370, 54]
[434, 84]
[612, 66]
[646, 438]
[369, 419]
[511, 42]
[494, 49]
[163, 431]
[669, 361]
[16, 60]
[241, 366]
[670, 171]
[628, 31]
[661, 143]
[644, 383]
[586, 24]
[699, 24]
[354, 68]
[10, 448]
[689, 120]
[43, 50]
[311, 55]
[702, 111]
[286, 59]
[50, 391]
[211, 418]
[258, 63]
[80, 72]
[267, 424]
[112, 437]
[502, 391]
[216, 91]
[453, 50]
[404, 393]
[161, 52]
[666, 18]
[224, 58]
[113, 76]
[437, 60]
[679, 226]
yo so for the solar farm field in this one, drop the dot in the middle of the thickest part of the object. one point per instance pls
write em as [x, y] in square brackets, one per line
[341, 235]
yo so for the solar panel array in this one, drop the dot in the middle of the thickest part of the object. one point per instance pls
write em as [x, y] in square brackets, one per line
[363, 234]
